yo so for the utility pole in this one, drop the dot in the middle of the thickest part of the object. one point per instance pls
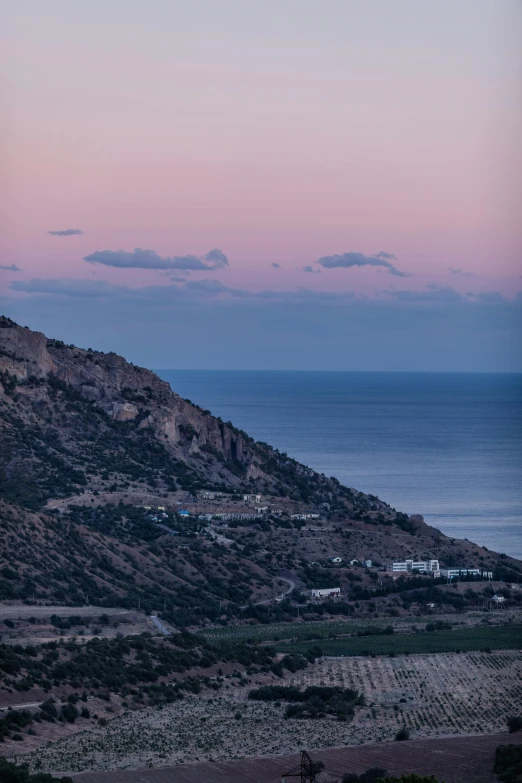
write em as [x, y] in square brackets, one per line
[306, 771]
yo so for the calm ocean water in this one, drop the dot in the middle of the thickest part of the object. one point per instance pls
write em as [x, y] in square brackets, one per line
[447, 446]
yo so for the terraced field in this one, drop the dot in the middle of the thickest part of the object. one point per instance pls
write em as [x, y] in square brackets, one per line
[505, 637]
[434, 696]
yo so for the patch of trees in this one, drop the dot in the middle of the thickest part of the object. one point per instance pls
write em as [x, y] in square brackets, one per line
[316, 701]
[508, 763]
[372, 775]
[116, 664]
[15, 773]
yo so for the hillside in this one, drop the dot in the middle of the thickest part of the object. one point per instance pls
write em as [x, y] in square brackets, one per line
[89, 439]
[74, 418]
[116, 493]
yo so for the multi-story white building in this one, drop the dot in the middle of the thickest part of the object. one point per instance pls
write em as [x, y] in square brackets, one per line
[423, 566]
[454, 573]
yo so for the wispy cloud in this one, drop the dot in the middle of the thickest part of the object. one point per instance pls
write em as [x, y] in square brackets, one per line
[491, 297]
[10, 268]
[434, 294]
[300, 329]
[276, 266]
[149, 259]
[67, 232]
[461, 272]
[68, 287]
[353, 259]
[207, 291]
[214, 287]
[310, 269]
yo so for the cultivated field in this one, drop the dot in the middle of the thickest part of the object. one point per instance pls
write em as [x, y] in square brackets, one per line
[323, 629]
[434, 696]
[503, 637]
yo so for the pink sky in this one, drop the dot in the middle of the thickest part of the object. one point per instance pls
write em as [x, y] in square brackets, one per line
[278, 131]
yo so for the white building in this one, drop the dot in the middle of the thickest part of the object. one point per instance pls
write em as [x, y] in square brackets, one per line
[336, 560]
[454, 573]
[368, 563]
[252, 498]
[423, 566]
[262, 509]
[326, 592]
[498, 599]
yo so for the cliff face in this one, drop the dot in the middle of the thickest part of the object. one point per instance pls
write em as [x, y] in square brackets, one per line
[70, 416]
[117, 388]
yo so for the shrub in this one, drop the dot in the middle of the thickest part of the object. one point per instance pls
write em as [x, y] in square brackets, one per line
[514, 723]
[402, 735]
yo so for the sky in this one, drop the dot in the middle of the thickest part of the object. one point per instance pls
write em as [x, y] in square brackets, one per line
[266, 184]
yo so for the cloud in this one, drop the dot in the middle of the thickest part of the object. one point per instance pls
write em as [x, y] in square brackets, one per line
[461, 272]
[68, 232]
[385, 256]
[149, 259]
[214, 287]
[217, 258]
[11, 268]
[309, 268]
[432, 295]
[348, 260]
[175, 277]
[488, 297]
[67, 287]
[276, 266]
[303, 329]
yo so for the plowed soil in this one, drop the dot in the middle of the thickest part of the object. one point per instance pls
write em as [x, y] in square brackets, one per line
[457, 760]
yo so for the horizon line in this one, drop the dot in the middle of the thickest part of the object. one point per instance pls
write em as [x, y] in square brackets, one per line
[376, 372]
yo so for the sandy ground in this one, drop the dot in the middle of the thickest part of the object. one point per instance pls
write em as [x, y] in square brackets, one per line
[433, 695]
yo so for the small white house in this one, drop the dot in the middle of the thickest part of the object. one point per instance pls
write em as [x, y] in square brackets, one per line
[336, 560]
[252, 498]
[499, 599]
[368, 563]
[326, 592]
[354, 562]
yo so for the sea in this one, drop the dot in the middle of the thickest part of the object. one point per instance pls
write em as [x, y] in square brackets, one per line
[444, 445]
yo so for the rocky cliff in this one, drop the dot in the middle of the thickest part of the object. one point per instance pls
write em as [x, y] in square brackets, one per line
[73, 418]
